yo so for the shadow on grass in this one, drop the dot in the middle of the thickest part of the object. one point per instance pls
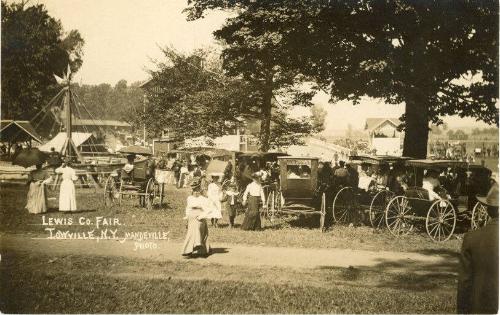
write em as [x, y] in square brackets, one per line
[404, 274]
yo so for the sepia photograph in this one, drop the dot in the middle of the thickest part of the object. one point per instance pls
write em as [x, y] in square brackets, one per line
[249, 156]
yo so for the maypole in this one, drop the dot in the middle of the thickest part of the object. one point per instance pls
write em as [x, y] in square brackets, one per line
[69, 148]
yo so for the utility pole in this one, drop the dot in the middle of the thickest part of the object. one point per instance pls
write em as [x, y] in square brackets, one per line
[144, 115]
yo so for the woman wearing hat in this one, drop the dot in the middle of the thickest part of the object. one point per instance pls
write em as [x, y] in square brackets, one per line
[67, 194]
[198, 209]
[37, 195]
[253, 193]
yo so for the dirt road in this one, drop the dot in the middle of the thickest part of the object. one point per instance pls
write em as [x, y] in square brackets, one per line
[241, 255]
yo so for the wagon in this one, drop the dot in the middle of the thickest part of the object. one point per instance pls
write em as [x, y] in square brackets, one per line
[295, 192]
[141, 182]
[456, 203]
[352, 202]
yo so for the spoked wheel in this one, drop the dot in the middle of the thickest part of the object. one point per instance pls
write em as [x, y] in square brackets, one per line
[150, 193]
[161, 193]
[441, 220]
[479, 216]
[110, 192]
[377, 208]
[344, 206]
[398, 216]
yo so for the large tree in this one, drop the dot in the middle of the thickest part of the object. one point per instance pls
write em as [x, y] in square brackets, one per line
[193, 97]
[34, 47]
[437, 57]
[251, 53]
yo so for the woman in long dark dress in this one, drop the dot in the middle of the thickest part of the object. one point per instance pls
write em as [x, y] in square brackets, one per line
[37, 194]
[252, 195]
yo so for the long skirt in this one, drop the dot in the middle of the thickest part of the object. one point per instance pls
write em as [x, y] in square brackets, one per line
[37, 198]
[196, 241]
[252, 215]
[67, 196]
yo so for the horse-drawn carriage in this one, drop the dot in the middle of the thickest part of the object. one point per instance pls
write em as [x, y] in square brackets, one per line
[369, 194]
[295, 192]
[455, 202]
[142, 181]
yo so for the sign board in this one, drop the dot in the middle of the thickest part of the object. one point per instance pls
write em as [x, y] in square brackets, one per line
[306, 162]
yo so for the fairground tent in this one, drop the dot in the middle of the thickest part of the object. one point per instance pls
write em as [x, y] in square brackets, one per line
[84, 141]
[18, 131]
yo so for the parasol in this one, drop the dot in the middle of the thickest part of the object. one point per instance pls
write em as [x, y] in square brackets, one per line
[216, 168]
[29, 157]
[135, 149]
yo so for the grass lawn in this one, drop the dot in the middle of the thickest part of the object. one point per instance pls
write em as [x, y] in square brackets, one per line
[86, 284]
[291, 233]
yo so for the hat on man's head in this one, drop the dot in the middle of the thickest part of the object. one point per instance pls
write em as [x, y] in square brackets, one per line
[491, 198]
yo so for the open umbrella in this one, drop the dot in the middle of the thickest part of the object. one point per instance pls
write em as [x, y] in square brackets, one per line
[29, 157]
[135, 149]
[216, 168]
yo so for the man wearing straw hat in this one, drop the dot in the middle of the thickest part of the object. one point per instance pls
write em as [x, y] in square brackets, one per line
[478, 274]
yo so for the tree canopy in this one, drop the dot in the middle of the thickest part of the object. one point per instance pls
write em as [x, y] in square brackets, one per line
[34, 47]
[437, 57]
[193, 97]
[120, 102]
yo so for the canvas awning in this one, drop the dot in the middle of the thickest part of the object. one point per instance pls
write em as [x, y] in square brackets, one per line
[18, 131]
[82, 140]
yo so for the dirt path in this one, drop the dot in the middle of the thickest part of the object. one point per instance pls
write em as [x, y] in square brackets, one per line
[241, 255]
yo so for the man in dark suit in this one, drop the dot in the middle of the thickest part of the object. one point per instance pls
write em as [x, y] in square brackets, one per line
[478, 274]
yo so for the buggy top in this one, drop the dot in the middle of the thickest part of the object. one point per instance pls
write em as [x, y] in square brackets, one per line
[436, 164]
[377, 159]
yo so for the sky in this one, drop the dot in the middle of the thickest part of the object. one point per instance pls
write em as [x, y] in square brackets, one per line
[123, 36]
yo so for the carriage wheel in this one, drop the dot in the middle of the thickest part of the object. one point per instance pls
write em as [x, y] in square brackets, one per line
[397, 216]
[441, 220]
[150, 193]
[110, 192]
[161, 192]
[377, 208]
[344, 206]
[479, 216]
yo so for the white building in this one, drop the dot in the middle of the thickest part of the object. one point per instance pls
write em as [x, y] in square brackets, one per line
[385, 139]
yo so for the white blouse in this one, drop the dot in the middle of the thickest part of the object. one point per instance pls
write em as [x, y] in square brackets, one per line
[67, 173]
[196, 204]
[254, 189]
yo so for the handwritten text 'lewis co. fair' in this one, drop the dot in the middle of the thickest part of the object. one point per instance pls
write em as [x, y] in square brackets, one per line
[100, 228]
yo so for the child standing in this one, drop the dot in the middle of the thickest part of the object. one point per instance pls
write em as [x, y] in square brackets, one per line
[230, 195]
[214, 194]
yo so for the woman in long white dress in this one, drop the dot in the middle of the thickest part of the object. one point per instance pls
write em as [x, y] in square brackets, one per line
[67, 194]
[198, 209]
[215, 195]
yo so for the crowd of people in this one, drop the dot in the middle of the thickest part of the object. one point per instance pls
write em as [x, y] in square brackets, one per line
[459, 151]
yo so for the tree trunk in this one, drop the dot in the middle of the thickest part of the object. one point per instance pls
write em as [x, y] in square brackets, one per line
[265, 123]
[416, 129]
